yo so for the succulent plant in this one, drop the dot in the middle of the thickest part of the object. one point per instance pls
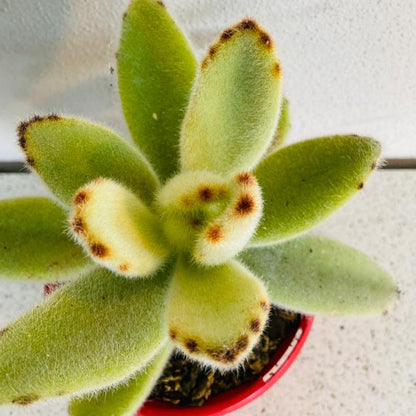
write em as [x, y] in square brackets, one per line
[185, 240]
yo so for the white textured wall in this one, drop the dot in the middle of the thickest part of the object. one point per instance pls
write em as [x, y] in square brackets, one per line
[350, 66]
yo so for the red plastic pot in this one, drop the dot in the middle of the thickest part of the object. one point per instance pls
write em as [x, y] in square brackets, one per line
[238, 397]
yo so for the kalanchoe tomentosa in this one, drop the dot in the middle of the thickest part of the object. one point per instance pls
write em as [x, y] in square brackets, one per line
[189, 239]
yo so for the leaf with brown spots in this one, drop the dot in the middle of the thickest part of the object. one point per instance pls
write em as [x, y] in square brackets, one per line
[210, 312]
[117, 230]
[67, 153]
[233, 110]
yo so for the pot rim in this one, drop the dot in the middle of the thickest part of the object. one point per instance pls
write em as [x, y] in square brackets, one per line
[238, 397]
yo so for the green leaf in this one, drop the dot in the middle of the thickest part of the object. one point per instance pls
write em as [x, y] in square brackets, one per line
[156, 68]
[216, 314]
[34, 243]
[282, 130]
[117, 230]
[91, 333]
[233, 111]
[316, 275]
[304, 183]
[67, 153]
[125, 398]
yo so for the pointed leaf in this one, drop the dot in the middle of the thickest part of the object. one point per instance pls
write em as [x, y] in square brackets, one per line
[304, 183]
[67, 153]
[156, 68]
[117, 230]
[216, 314]
[234, 105]
[125, 398]
[282, 130]
[91, 333]
[317, 275]
[34, 242]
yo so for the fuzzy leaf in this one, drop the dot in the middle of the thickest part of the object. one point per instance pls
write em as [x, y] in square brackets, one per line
[282, 130]
[91, 333]
[216, 314]
[304, 183]
[229, 233]
[234, 105]
[34, 244]
[317, 275]
[156, 68]
[67, 153]
[125, 398]
[117, 230]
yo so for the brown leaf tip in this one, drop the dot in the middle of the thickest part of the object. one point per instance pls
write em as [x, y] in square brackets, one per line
[248, 24]
[172, 334]
[21, 130]
[3, 331]
[160, 3]
[264, 305]
[23, 125]
[80, 197]
[246, 178]
[277, 69]
[53, 117]
[25, 399]
[225, 356]
[191, 345]
[245, 205]
[211, 53]
[214, 233]
[205, 193]
[242, 343]
[266, 40]
[124, 267]
[78, 225]
[99, 250]
[212, 50]
[255, 325]
[30, 162]
[227, 34]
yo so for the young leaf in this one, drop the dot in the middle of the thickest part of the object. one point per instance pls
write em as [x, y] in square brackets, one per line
[34, 244]
[93, 332]
[282, 130]
[216, 314]
[304, 183]
[234, 105]
[116, 229]
[67, 153]
[156, 68]
[125, 398]
[317, 275]
[226, 235]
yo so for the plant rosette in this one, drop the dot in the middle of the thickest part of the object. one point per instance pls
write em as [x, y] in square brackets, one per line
[184, 240]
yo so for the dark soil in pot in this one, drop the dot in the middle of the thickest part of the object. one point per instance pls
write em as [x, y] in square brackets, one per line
[187, 383]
